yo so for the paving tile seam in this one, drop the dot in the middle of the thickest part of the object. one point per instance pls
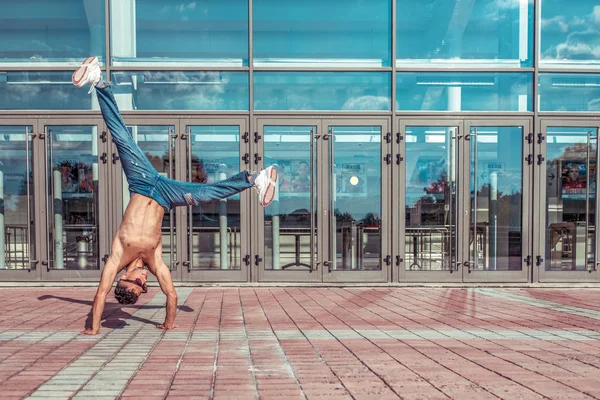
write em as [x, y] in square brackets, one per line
[122, 339]
[550, 305]
[425, 355]
[279, 344]
[183, 352]
[508, 348]
[394, 295]
[383, 380]
[211, 394]
[314, 349]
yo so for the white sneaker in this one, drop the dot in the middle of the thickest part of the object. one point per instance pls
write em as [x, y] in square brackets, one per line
[88, 72]
[265, 184]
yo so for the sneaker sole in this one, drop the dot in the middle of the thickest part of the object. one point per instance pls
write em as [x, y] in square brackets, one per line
[269, 193]
[81, 73]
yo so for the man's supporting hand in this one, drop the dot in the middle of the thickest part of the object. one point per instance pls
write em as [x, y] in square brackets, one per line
[167, 327]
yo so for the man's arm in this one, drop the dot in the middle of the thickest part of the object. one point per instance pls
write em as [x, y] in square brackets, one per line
[109, 273]
[166, 285]
[106, 281]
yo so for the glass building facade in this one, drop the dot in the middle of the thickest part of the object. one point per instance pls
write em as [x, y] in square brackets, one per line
[416, 141]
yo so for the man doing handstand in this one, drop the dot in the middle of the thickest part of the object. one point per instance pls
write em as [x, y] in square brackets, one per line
[138, 243]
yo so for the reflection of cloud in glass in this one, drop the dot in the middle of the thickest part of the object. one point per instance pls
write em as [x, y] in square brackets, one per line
[367, 103]
[582, 41]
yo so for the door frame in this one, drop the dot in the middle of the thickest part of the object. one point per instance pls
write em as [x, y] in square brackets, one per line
[324, 201]
[540, 273]
[399, 189]
[259, 273]
[523, 275]
[48, 274]
[183, 155]
[37, 208]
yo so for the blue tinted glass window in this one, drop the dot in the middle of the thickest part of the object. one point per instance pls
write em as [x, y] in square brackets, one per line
[316, 33]
[347, 91]
[569, 92]
[456, 32]
[172, 90]
[38, 31]
[42, 91]
[211, 32]
[436, 91]
[570, 32]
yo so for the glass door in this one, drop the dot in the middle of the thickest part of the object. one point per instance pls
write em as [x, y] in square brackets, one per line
[286, 249]
[75, 188]
[498, 171]
[217, 241]
[18, 250]
[156, 138]
[357, 161]
[568, 178]
[428, 172]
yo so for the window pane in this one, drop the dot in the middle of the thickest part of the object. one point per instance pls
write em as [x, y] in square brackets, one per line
[38, 31]
[355, 91]
[454, 32]
[570, 33]
[569, 92]
[207, 90]
[42, 91]
[317, 33]
[432, 91]
[164, 32]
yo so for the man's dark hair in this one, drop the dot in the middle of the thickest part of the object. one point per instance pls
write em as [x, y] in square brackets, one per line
[124, 296]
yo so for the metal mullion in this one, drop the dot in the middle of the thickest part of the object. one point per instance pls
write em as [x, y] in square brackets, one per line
[568, 70]
[107, 48]
[445, 69]
[176, 68]
[322, 69]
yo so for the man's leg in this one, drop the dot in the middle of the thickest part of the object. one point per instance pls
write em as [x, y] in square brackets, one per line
[138, 170]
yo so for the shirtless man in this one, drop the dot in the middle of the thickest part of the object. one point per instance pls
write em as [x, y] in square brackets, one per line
[138, 243]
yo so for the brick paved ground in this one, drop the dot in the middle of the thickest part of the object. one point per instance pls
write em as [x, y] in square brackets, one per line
[305, 343]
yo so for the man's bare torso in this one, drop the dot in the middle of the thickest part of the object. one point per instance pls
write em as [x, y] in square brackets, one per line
[140, 230]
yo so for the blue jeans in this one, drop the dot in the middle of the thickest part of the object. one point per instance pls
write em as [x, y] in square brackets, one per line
[145, 180]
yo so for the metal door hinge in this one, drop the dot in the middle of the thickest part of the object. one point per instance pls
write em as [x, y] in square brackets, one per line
[247, 260]
[529, 138]
[246, 137]
[257, 158]
[399, 137]
[388, 137]
[539, 260]
[115, 157]
[529, 159]
[399, 159]
[399, 260]
[246, 158]
[257, 260]
[105, 258]
[103, 136]
[257, 137]
[103, 158]
[527, 260]
[387, 260]
[541, 138]
[540, 159]
[388, 159]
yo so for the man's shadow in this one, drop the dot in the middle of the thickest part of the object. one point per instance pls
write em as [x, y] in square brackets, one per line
[114, 311]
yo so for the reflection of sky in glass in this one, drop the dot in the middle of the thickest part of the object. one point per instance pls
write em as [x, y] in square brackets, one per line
[569, 92]
[456, 32]
[571, 33]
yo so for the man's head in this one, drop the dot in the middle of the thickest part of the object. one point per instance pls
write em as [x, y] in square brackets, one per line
[65, 170]
[132, 283]
[303, 169]
[573, 173]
